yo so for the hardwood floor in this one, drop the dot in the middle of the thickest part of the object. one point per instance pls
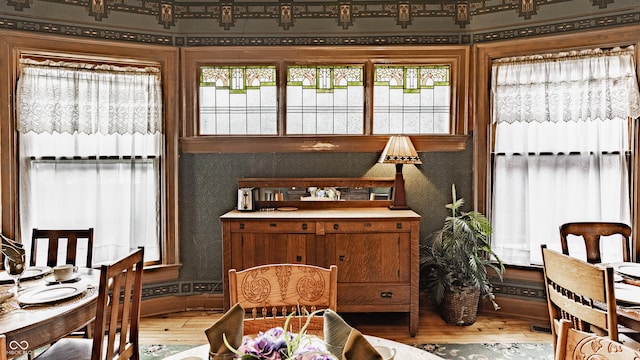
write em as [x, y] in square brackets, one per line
[188, 328]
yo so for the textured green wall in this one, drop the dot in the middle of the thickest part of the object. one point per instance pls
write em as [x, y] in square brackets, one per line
[208, 184]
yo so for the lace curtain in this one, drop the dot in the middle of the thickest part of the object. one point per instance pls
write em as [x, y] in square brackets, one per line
[90, 140]
[562, 132]
[67, 97]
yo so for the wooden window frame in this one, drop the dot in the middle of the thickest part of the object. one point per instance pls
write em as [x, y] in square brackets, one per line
[484, 129]
[13, 46]
[458, 57]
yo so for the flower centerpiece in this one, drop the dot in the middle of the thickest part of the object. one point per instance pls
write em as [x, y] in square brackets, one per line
[280, 344]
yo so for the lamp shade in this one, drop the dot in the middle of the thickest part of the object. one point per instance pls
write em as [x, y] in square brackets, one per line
[399, 150]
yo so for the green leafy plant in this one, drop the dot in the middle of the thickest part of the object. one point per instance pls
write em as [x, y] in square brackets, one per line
[459, 254]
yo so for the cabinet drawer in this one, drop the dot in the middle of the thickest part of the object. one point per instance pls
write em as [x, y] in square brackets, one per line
[290, 227]
[373, 294]
[373, 225]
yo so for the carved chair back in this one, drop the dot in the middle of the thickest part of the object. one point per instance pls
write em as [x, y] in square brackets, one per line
[270, 293]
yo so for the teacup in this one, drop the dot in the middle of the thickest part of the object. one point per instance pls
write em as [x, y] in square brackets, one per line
[387, 353]
[64, 272]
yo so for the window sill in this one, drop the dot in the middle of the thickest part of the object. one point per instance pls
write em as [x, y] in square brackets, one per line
[161, 273]
[257, 144]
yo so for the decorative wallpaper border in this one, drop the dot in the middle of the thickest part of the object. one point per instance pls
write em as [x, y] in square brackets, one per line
[181, 289]
[287, 14]
[520, 289]
[426, 39]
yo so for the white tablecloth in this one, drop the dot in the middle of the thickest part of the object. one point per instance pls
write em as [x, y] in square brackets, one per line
[403, 351]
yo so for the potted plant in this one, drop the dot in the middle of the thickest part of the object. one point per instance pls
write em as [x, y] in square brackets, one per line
[455, 262]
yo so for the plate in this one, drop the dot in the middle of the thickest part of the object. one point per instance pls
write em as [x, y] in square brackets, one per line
[35, 271]
[629, 269]
[628, 293]
[50, 279]
[50, 293]
[29, 273]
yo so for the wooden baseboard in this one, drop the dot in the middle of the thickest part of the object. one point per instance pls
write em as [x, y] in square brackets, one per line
[170, 304]
[535, 311]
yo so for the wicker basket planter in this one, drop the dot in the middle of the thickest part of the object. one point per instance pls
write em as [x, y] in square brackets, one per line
[460, 305]
[454, 262]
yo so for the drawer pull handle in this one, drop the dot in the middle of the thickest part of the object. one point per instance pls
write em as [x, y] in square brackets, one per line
[342, 257]
[386, 294]
[304, 226]
[367, 224]
[298, 258]
[242, 226]
[273, 224]
[398, 225]
[336, 226]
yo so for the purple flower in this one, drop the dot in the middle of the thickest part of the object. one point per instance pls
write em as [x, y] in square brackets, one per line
[278, 344]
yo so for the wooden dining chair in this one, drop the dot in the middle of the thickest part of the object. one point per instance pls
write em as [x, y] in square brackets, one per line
[51, 240]
[3, 347]
[575, 344]
[580, 292]
[272, 292]
[115, 333]
[592, 233]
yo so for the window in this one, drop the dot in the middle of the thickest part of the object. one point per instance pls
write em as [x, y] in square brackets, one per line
[561, 147]
[238, 100]
[90, 153]
[325, 98]
[412, 100]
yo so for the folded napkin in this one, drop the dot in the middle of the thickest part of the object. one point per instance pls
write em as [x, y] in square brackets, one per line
[11, 247]
[231, 325]
[336, 332]
[345, 342]
[357, 348]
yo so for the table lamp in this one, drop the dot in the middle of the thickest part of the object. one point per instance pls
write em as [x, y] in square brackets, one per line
[399, 150]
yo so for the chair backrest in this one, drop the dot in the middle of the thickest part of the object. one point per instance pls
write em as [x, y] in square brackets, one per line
[115, 334]
[580, 292]
[576, 344]
[3, 347]
[55, 238]
[272, 292]
[592, 232]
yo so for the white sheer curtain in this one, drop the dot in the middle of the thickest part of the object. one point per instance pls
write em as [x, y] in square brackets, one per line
[89, 151]
[562, 132]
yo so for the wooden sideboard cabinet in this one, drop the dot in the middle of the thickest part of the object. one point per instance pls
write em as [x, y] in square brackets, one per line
[375, 249]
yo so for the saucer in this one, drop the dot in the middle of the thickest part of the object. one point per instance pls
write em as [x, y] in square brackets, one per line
[50, 279]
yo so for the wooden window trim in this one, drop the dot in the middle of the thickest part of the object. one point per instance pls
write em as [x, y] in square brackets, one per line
[458, 57]
[484, 130]
[14, 45]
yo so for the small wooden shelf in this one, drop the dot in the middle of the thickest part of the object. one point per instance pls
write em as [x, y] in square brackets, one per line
[350, 198]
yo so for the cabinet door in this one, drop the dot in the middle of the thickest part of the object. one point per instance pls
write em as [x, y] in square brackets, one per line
[373, 257]
[252, 249]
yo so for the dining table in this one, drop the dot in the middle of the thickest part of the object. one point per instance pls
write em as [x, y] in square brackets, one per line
[627, 291]
[44, 310]
[402, 351]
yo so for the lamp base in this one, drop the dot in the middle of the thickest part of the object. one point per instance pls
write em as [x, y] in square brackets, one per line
[399, 201]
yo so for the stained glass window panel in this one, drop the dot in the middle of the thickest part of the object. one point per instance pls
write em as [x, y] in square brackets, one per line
[238, 100]
[412, 99]
[325, 100]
